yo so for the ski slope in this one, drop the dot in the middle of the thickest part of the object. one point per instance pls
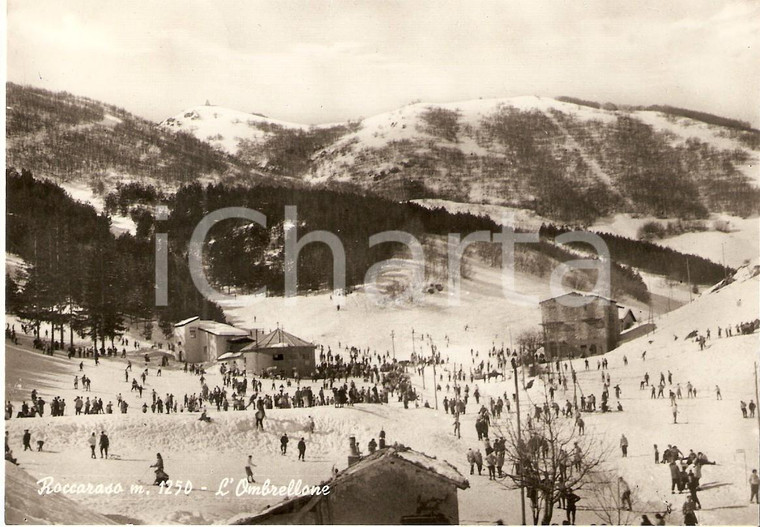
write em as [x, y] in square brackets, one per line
[204, 453]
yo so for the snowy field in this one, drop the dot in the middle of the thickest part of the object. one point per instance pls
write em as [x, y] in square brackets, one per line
[735, 247]
[204, 453]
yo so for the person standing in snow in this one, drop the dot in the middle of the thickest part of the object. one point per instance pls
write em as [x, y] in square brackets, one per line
[40, 441]
[656, 455]
[92, 441]
[479, 461]
[572, 498]
[103, 444]
[27, 440]
[471, 461]
[624, 445]
[675, 475]
[754, 483]
[693, 485]
[302, 450]
[718, 396]
[675, 414]
[249, 470]
[284, 444]
[689, 516]
[625, 493]
[491, 462]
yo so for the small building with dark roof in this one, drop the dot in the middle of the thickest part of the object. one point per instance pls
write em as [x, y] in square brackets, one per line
[628, 320]
[280, 352]
[393, 486]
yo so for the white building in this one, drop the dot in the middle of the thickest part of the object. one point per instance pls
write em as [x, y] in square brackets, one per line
[204, 340]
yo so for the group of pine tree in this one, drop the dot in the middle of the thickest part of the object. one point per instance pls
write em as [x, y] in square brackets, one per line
[80, 276]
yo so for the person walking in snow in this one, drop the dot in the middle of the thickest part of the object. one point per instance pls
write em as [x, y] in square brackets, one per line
[92, 441]
[479, 461]
[693, 485]
[675, 414]
[302, 450]
[284, 444]
[249, 470]
[624, 445]
[752, 407]
[718, 396]
[471, 461]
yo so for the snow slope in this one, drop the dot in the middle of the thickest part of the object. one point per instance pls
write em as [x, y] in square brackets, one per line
[225, 128]
[81, 192]
[205, 453]
[24, 505]
[736, 244]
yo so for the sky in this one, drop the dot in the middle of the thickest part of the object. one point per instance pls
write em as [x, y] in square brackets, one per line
[330, 61]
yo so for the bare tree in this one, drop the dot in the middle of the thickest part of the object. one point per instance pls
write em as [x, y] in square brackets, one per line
[549, 458]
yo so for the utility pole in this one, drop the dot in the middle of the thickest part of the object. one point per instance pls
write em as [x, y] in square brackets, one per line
[723, 252]
[519, 442]
[757, 398]
[435, 379]
[688, 277]
[393, 344]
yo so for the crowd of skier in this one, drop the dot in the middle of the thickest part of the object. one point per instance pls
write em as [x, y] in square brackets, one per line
[373, 378]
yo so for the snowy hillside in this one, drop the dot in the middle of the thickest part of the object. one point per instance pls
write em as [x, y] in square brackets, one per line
[225, 128]
[225, 443]
[566, 160]
[190, 447]
[24, 505]
[498, 151]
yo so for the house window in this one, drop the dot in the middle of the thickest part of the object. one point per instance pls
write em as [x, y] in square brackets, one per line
[278, 356]
[192, 333]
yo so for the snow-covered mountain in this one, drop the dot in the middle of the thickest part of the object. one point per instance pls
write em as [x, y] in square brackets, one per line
[225, 128]
[565, 159]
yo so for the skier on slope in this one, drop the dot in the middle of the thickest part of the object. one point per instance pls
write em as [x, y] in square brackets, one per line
[161, 475]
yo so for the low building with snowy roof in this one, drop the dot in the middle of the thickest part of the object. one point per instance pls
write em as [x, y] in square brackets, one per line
[204, 340]
[282, 353]
[393, 486]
